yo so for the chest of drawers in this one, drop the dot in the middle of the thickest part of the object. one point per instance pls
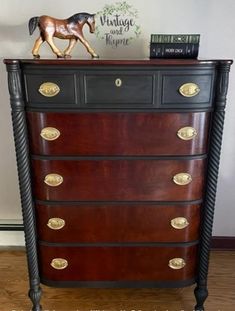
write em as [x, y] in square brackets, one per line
[118, 165]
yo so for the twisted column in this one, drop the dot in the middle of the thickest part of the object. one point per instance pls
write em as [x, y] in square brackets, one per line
[23, 166]
[217, 125]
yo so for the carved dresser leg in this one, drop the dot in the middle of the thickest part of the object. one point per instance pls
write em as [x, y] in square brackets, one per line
[35, 294]
[201, 294]
[217, 125]
[23, 166]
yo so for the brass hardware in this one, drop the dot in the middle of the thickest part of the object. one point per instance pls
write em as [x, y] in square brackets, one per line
[59, 263]
[53, 180]
[187, 133]
[182, 179]
[56, 223]
[50, 133]
[179, 223]
[176, 263]
[189, 89]
[49, 89]
[118, 82]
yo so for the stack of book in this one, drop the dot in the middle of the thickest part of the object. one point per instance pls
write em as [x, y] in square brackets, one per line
[174, 45]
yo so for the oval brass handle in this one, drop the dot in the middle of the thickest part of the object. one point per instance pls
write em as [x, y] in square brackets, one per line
[179, 223]
[182, 179]
[177, 263]
[56, 223]
[118, 82]
[189, 89]
[50, 133]
[187, 133]
[59, 263]
[49, 89]
[53, 180]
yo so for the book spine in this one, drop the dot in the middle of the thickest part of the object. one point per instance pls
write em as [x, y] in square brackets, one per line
[170, 50]
[193, 38]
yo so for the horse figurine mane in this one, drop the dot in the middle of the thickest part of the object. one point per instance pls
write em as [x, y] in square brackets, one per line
[70, 28]
[78, 17]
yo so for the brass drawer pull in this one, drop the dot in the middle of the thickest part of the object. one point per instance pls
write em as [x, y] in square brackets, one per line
[177, 263]
[50, 133]
[118, 82]
[179, 223]
[59, 263]
[49, 89]
[189, 89]
[182, 179]
[187, 133]
[53, 180]
[56, 223]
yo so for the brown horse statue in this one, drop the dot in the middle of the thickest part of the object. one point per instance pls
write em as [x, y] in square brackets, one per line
[70, 28]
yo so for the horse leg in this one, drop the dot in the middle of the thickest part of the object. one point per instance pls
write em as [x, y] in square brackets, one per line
[36, 47]
[88, 47]
[68, 50]
[49, 40]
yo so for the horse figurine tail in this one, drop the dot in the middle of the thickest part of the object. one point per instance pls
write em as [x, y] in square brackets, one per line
[33, 23]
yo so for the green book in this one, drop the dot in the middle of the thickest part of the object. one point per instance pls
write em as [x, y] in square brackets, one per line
[175, 38]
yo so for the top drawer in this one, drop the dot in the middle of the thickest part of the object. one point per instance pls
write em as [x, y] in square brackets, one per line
[51, 87]
[127, 87]
[118, 88]
[186, 89]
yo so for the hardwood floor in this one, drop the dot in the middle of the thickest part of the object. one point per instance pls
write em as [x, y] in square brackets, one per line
[14, 287]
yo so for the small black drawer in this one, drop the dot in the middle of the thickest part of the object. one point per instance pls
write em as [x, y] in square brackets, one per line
[50, 88]
[186, 89]
[118, 88]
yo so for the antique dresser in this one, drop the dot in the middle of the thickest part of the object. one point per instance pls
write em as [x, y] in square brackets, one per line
[118, 164]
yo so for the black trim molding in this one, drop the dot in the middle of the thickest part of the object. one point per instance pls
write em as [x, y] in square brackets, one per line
[119, 284]
[123, 244]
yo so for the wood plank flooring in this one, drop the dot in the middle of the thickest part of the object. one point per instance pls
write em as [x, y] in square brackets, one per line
[14, 288]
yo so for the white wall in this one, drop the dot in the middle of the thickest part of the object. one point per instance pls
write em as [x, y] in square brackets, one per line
[213, 19]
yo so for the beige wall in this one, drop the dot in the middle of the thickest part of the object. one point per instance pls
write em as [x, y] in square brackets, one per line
[213, 19]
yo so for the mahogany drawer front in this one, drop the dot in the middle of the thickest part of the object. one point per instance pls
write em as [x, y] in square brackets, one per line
[116, 179]
[119, 133]
[45, 87]
[117, 263]
[117, 222]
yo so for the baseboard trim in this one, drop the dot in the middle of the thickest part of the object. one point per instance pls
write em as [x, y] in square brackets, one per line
[223, 243]
[217, 242]
[11, 227]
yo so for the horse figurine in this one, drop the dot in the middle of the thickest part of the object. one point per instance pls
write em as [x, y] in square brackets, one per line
[70, 28]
